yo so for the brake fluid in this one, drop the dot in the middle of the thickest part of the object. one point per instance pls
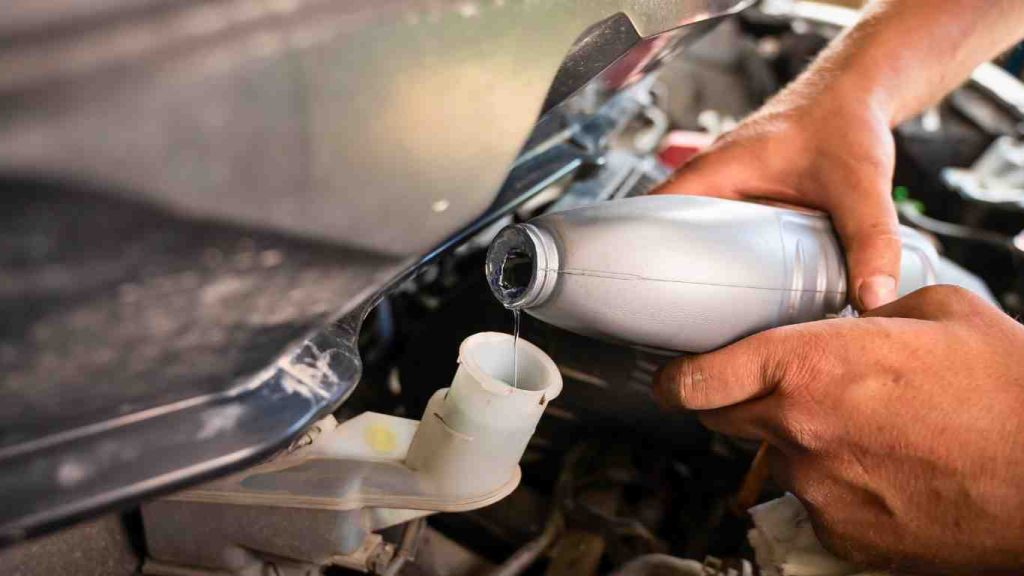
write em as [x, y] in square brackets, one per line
[681, 273]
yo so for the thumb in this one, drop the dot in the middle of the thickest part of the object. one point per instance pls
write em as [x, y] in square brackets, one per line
[748, 369]
[865, 219]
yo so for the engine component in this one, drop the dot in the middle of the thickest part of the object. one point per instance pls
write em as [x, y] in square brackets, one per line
[220, 182]
[660, 565]
[997, 177]
[319, 504]
[651, 483]
[785, 544]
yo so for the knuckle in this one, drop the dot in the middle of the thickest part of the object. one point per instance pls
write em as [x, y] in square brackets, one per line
[866, 163]
[682, 382]
[887, 237]
[875, 243]
[796, 369]
[693, 385]
[869, 162]
[883, 228]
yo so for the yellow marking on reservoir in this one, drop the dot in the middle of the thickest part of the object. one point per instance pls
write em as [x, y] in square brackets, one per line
[380, 438]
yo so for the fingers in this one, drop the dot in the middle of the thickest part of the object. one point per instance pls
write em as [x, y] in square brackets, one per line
[714, 173]
[773, 386]
[866, 222]
[748, 369]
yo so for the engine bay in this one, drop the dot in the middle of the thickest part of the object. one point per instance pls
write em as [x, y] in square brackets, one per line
[610, 482]
[619, 477]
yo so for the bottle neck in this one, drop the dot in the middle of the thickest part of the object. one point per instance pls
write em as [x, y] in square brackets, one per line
[522, 266]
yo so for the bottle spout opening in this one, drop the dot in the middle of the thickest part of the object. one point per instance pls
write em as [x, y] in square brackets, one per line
[516, 271]
[518, 264]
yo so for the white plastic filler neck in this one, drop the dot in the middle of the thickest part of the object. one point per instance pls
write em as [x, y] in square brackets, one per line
[473, 434]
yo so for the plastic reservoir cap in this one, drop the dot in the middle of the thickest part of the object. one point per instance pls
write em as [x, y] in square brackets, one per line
[488, 358]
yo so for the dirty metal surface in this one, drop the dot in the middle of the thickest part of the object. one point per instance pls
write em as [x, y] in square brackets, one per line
[200, 201]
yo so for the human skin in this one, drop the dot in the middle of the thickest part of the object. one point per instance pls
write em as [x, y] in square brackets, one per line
[825, 141]
[901, 431]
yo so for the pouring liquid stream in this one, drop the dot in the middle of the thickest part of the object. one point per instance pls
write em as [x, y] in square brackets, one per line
[515, 348]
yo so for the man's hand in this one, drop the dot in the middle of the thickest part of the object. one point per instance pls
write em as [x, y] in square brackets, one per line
[824, 141]
[825, 154]
[902, 431]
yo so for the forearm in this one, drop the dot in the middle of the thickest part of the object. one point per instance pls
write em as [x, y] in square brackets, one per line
[904, 55]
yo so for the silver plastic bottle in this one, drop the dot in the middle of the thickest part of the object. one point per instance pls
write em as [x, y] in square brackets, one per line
[681, 273]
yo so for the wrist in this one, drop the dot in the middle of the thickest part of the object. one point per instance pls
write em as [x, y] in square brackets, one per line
[865, 98]
[836, 102]
[862, 73]
[840, 86]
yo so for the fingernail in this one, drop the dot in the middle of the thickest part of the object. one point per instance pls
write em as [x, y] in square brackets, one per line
[876, 291]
